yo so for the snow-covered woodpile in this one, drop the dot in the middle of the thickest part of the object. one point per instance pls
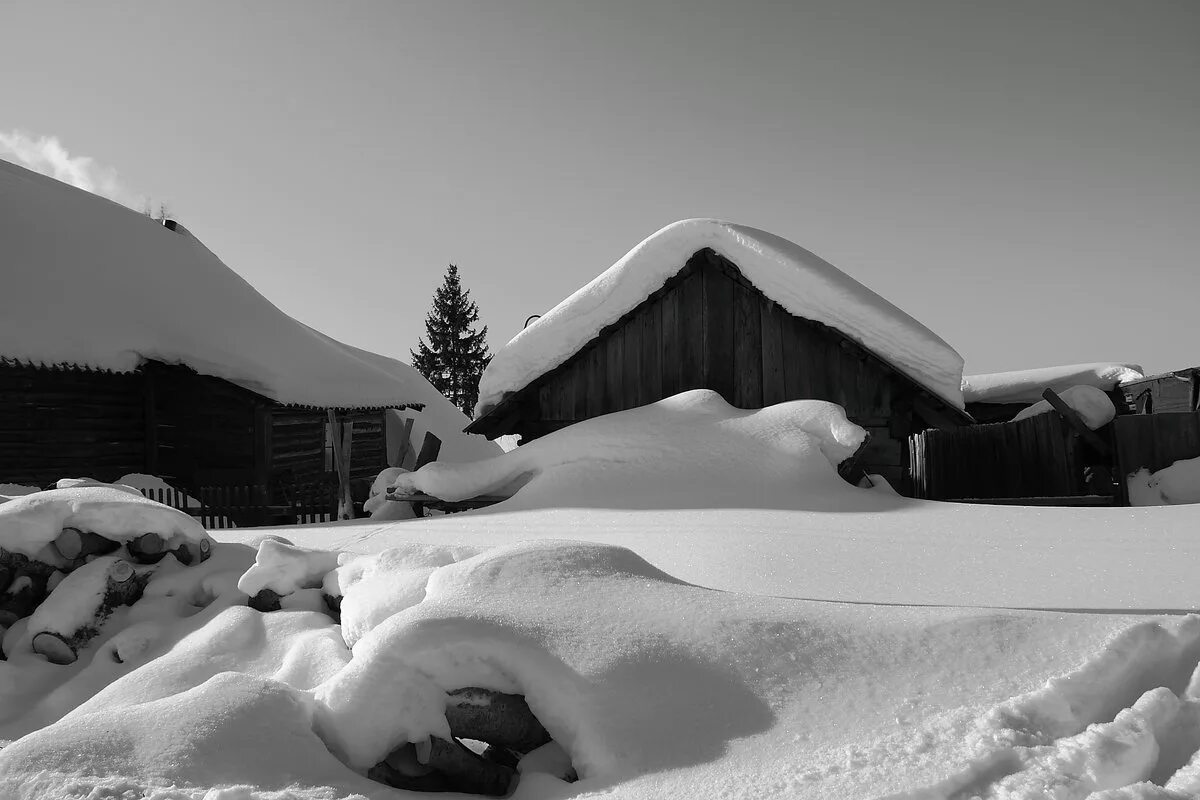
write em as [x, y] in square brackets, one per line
[70, 557]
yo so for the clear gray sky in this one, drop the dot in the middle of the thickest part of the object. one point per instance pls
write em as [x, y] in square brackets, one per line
[1021, 176]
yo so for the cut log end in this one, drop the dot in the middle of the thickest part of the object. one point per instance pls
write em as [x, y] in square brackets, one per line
[121, 572]
[149, 548]
[54, 648]
[500, 719]
[266, 600]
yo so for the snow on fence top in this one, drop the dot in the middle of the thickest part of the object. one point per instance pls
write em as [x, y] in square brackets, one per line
[91, 283]
[801, 282]
[1026, 386]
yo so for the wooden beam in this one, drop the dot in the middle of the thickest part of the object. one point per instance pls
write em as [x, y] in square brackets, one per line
[405, 447]
[429, 450]
[937, 417]
[341, 462]
[1076, 422]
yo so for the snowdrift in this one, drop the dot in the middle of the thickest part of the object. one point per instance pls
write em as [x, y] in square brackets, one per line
[688, 449]
[660, 652]
[800, 281]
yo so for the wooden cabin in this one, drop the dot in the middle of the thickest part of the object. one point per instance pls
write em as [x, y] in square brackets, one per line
[710, 327]
[192, 430]
[1169, 392]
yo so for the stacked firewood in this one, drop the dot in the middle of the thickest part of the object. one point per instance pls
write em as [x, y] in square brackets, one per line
[48, 583]
[490, 732]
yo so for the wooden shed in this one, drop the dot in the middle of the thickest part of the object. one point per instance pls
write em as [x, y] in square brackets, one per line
[192, 430]
[1177, 391]
[709, 327]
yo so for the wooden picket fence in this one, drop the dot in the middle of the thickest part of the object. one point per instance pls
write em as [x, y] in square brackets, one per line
[217, 507]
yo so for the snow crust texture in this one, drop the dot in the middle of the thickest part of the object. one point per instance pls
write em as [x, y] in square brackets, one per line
[800, 281]
[1026, 386]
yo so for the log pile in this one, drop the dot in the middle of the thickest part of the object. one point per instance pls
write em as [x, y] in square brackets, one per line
[490, 733]
[26, 582]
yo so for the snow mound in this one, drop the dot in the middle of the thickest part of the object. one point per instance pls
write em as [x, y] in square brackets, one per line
[1092, 405]
[800, 281]
[1026, 386]
[135, 290]
[121, 514]
[687, 449]
[650, 687]
[1177, 484]
[377, 503]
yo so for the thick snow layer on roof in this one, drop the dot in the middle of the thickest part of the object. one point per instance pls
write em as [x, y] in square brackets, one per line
[1026, 386]
[800, 281]
[89, 282]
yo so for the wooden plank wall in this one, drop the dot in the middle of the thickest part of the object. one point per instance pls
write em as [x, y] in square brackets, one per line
[710, 328]
[57, 423]
[1155, 441]
[1176, 392]
[1035, 457]
[205, 428]
[298, 445]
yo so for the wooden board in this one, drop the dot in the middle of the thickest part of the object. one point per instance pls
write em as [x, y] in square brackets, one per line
[774, 386]
[747, 349]
[718, 340]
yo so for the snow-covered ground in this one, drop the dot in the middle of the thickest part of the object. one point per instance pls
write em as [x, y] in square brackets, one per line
[730, 635]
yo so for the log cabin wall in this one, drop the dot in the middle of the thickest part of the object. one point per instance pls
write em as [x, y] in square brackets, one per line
[69, 422]
[202, 429]
[1173, 392]
[708, 327]
[297, 439]
[191, 430]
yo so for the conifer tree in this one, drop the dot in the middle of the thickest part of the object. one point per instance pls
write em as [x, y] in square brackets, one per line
[456, 354]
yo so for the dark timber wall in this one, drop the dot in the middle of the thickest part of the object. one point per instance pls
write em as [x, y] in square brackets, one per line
[192, 430]
[58, 423]
[708, 327]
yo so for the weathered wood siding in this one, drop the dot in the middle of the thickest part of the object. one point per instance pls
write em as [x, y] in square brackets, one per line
[203, 428]
[1155, 441]
[710, 328]
[1170, 393]
[57, 423]
[297, 444]
[192, 430]
[1035, 457]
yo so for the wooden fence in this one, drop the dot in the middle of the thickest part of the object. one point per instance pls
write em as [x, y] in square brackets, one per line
[1039, 457]
[247, 506]
[1154, 441]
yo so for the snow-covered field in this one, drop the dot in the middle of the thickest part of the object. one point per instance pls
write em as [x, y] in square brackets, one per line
[711, 614]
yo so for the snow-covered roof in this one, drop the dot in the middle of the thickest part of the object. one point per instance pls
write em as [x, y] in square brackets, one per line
[801, 282]
[1026, 386]
[88, 282]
